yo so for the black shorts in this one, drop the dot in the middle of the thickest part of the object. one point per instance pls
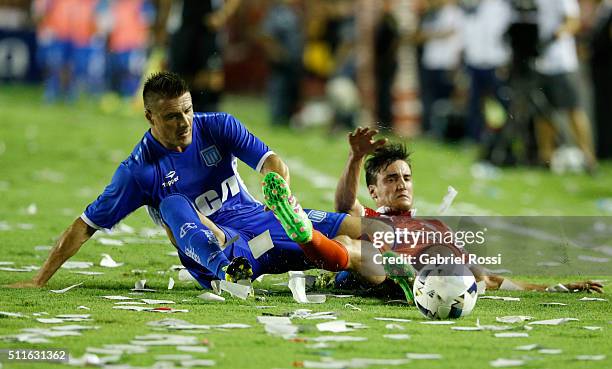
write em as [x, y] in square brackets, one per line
[561, 90]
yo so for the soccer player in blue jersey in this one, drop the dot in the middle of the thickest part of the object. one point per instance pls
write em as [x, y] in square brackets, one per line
[184, 170]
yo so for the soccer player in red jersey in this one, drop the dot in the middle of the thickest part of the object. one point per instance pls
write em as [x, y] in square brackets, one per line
[389, 181]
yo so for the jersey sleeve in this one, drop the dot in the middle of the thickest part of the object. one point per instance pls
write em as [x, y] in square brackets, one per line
[242, 143]
[121, 197]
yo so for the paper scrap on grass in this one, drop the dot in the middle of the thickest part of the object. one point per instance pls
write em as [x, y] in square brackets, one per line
[352, 307]
[282, 330]
[506, 363]
[397, 336]
[197, 362]
[297, 285]
[139, 286]
[273, 320]
[395, 326]
[513, 318]
[504, 298]
[14, 315]
[184, 275]
[67, 288]
[335, 326]
[231, 326]
[164, 340]
[170, 283]
[531, 347]
[590, 357]
[108, 262]
[592, 299]
[21, 269]
[260, 244]
[552, 304]
[592, 328]
[553, 321]
[88, 273]
[157, 302]
[420, 356]
[109, 242]
[447, 201]
[401, 320]
[235, 289]
[209, 296]
[511, 335]
[550, 351]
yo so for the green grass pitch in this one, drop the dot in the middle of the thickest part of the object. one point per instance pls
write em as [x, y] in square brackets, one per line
[60, 157]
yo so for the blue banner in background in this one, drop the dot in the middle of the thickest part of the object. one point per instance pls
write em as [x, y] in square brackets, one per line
[18, 56]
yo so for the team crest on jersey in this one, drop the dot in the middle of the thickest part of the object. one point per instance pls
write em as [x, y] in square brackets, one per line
[211, 156]
[317, 216]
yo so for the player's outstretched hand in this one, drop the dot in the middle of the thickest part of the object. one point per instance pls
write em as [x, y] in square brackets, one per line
[361, 142]
[24, 284]
[588, 286]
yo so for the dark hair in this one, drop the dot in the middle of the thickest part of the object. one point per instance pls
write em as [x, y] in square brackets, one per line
[383, 157]
[165, 85]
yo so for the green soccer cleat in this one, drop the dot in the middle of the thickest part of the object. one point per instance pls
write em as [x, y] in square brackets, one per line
[278, 198]
[238, 269]
[401, 274]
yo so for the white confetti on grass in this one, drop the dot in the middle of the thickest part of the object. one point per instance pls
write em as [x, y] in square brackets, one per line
[513, 318]
[77, 264]
[590, 357]
[297, 285]
[64, 290]
[503, 298]
[592, 299]
[553, 321]
[209, 296]
[108, 262]
[400, 320]
[260, 244]
[506, 363]
[422, 356]
[397, 336]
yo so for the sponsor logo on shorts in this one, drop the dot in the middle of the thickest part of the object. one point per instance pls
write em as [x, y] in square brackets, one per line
[211, 156]
[317, 216]
[186, 227]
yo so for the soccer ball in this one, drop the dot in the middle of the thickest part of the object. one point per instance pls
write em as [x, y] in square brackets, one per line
[443, 291]
[567, 159]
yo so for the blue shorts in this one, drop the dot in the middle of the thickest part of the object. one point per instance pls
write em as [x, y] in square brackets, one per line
[286, 255]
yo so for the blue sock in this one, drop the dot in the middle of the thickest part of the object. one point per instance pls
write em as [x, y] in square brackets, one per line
[192, 237]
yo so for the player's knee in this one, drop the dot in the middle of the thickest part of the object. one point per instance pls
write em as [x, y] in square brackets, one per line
[176, 208]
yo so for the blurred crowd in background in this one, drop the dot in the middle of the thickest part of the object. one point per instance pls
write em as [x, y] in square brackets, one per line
[530, 81]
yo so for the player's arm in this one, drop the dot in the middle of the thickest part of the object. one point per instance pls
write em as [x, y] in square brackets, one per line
[274, 163]
[361, 144]
[68, 244]
[495, 282]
